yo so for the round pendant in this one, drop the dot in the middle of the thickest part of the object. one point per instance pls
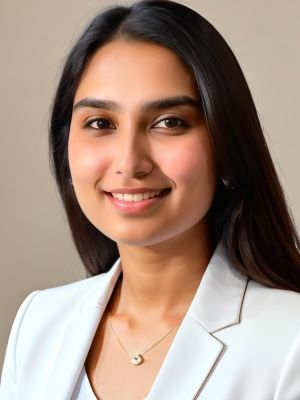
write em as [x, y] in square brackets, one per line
[136, 360]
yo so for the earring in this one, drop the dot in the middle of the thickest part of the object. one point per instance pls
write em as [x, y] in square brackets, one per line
[70, 182]
[227, 183]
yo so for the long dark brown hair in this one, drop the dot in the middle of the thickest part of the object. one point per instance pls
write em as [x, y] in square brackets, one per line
[250, 215]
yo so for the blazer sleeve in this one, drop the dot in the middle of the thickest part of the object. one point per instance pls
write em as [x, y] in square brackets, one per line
[10, 367]
[288, 387]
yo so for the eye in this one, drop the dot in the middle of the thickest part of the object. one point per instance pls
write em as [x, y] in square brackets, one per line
[172, 123]
[98, 123]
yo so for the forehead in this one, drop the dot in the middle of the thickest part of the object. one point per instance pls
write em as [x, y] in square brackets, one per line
[134, 70]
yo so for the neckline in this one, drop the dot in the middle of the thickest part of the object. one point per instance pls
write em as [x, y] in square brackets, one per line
[89, 388]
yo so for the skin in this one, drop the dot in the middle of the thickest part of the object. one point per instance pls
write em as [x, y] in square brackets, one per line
[165, 250]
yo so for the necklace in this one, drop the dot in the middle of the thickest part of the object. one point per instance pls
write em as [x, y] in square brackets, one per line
[137, 359]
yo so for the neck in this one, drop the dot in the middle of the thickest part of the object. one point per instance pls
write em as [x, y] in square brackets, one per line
[159, 281]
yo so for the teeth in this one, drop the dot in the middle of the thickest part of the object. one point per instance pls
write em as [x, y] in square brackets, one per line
[136, 196]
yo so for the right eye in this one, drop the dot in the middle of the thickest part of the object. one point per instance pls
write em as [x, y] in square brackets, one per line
[98, 123]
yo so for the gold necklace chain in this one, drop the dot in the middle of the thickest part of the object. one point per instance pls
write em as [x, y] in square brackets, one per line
[137, 359]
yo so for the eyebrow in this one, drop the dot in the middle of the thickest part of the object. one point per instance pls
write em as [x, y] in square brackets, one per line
[160, 104]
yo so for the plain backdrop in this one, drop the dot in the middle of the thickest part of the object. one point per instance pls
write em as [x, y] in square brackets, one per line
[36, 246]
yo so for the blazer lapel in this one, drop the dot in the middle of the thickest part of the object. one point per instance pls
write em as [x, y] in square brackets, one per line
[195, 352]
[190, 358]
[71, 352]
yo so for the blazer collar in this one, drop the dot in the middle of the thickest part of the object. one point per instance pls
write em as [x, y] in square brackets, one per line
[194, 351]
[217, 301]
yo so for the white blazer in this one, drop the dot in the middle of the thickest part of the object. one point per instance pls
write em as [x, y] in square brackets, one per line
[238, 341]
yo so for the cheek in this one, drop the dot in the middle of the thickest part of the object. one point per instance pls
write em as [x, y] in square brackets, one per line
[191, 161]
[85, 160]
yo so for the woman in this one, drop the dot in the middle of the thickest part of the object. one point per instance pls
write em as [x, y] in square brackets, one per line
[177, 213]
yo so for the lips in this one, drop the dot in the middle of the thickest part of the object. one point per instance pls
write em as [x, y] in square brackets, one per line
[136, 207]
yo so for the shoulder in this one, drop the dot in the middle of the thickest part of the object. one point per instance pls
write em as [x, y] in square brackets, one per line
[43, 318]
[272, 318]
[58, 304]
[55, 302]
[273, 314]
[74, 295]
[47, 311]
[69, 292]
[264, 301]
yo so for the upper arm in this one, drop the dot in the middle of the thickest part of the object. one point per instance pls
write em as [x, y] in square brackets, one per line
[288, 387]
[9, 371]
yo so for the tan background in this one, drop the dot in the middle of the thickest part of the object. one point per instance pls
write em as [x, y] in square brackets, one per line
[35, 35]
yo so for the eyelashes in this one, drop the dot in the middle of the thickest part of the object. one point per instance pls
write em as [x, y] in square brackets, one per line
[98, 123]
[169, 123]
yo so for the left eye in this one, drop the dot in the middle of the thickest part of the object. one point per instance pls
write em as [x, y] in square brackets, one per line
[99, 124]
[172, 123]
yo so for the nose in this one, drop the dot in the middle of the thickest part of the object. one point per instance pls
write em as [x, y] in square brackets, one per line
[132, 156]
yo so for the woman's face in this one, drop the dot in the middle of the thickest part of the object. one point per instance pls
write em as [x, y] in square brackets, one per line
[137, 123]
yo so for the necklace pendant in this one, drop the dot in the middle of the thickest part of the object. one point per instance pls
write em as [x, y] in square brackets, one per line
[136, 359]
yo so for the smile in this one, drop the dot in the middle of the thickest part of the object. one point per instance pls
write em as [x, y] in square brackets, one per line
[137, 196]
[138, 202]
